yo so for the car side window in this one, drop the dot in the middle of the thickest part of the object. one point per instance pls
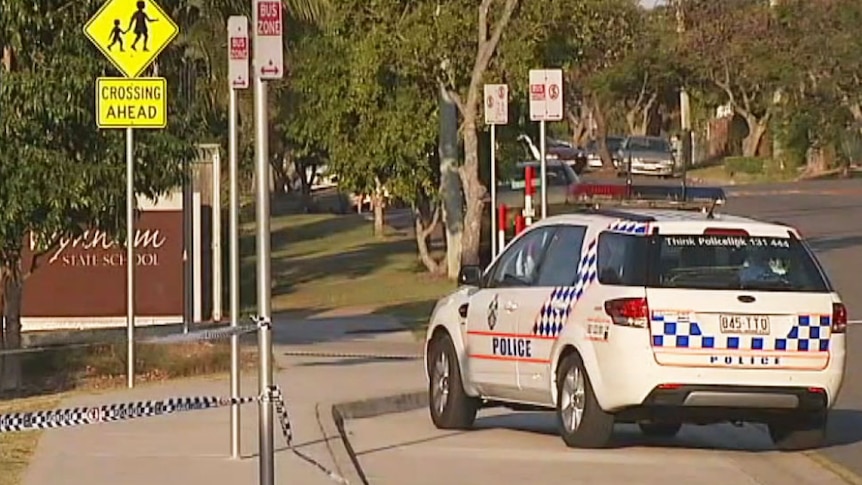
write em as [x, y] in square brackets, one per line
[560, 266]
[621, 259]
[519, 264]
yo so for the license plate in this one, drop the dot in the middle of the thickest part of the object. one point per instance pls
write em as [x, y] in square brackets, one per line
[744, 324]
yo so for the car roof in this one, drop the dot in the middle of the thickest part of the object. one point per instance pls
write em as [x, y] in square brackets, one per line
[661, 217]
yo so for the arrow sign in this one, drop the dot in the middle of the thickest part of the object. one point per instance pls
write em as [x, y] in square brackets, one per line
[238, 51]
[268, 39]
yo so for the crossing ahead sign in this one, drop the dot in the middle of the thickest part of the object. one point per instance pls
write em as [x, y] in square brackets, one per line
[131, 103]
[131, 34]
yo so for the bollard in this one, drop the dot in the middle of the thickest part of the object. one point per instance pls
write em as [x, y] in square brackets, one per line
[501, 228]
[529, 190]
[520, 224]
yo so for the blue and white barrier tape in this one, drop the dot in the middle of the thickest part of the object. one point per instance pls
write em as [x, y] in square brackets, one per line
[108, 413]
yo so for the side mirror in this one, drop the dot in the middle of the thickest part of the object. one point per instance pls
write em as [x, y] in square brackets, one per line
[470, 276]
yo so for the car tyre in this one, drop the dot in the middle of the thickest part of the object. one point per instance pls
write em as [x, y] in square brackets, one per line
[581, 420]
[659, 429]
[799, 433]
[448, 403]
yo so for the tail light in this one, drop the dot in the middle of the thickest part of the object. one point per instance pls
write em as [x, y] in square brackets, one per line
[839, 318]
[628, 312]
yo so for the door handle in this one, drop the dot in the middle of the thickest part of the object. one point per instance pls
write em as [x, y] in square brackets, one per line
[510, 306]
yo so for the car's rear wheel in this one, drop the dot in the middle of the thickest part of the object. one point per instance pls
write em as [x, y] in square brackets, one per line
[659, 429]
[582, 422]
[797, 433]
[450, 406]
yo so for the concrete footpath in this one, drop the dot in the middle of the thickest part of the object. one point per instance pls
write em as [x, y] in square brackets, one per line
[194, 447]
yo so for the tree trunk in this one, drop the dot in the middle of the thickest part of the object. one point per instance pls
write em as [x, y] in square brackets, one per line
[756, 129]
[450, 183]
[602, 137]
[474, 192]
[423, 229]
[578, 127]
[10, 365]
[377, 201]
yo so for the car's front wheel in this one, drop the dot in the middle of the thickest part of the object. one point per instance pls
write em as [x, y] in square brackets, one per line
[582, 422]
[798, 433]
[450, 406]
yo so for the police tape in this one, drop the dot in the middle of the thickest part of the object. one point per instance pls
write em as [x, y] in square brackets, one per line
[109, 413]
[204, 335]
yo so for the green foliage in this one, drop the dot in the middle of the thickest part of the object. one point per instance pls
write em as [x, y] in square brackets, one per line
[371, 117]
[59, 174]
[749, 165]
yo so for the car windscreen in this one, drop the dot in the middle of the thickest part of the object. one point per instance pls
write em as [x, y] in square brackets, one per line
[649, 144]
[731, 262]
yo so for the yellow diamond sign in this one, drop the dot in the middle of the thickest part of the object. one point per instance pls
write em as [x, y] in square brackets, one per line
[131, 33]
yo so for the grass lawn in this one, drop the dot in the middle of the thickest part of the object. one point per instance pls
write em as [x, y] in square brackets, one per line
[322, 262]
[17, 448]
[717, 174]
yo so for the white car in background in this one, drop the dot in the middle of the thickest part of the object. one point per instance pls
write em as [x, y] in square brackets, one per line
[648, 316]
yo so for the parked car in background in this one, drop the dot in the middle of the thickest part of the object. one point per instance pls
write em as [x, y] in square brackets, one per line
[555, 149]
[650, 155]
[562, 183]
[614, 142]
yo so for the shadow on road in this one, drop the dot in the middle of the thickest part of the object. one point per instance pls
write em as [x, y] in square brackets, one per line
[826, 244]
[845, 428]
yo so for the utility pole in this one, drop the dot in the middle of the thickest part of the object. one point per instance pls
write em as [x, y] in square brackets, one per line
[686, 137]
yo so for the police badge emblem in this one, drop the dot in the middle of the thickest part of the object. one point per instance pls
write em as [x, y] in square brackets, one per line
[492, 312]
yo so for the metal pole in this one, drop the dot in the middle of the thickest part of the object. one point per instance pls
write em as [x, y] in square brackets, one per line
[234, 275]
[216, 236]
[130, 256]
[264, 288]
[544, 169]
[493, 191]
[188, 257]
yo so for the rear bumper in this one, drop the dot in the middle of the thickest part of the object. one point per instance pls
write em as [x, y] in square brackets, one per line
[638, 381]
[715, 403]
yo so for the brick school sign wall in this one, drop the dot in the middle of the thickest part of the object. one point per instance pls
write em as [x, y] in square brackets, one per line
[82, 281]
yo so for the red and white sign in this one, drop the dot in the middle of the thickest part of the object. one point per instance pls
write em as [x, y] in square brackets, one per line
[268, 39]
[546, 94]
[238, 52]
[496, 104]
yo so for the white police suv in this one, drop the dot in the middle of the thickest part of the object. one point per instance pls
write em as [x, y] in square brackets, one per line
[647, 316]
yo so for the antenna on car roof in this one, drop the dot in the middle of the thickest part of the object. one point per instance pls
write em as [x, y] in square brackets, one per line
[711, 213]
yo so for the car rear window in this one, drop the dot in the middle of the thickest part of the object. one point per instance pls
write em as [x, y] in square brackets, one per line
[730, 262]
[557, 176]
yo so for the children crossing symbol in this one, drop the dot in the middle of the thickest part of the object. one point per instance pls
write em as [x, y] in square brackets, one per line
[131, 34]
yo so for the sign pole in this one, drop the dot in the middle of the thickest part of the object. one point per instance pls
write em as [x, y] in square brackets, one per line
[267, 458]
[496, 113]
[234, 277]
[149, 111]
[238, 56]
[268, 64]
[130, 256]
[544, 169]
[493, 191]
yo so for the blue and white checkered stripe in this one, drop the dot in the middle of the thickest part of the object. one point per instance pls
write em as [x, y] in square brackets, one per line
[630, 227]
[669, 330]
[555, 311]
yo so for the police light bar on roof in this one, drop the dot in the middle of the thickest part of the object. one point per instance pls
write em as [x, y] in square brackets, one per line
[653, 195]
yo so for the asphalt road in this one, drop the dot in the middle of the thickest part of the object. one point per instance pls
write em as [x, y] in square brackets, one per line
[829, 215]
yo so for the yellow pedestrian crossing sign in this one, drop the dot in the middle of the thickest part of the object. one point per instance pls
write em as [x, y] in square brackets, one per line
[131, 33]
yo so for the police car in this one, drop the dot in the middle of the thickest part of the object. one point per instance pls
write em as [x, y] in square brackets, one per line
[659, 317]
